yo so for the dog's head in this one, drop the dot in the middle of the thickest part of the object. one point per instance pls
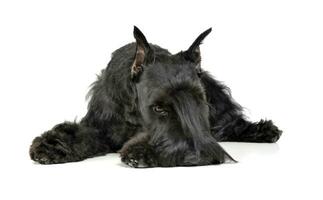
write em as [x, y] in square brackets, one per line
[171, 97]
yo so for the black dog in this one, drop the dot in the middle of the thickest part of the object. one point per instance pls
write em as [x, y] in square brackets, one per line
[156, 109]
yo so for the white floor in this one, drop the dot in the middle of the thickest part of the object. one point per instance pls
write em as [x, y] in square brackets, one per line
[264, 171]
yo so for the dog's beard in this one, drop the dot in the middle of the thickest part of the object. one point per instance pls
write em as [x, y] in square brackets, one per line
[186, 139]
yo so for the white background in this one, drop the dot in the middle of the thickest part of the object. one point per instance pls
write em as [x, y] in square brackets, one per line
[268, 52]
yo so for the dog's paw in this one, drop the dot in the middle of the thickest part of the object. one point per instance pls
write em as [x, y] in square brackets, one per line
[132, 162]
[138, 156]
[268, 131]
[48, 149]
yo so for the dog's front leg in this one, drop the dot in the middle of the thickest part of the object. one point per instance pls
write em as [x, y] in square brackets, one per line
[138, 153]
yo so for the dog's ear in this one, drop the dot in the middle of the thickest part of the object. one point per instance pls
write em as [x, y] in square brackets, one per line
[142, 55]
[193, 54]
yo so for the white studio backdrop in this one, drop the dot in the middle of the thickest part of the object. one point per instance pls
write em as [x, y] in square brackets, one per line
[270, 53]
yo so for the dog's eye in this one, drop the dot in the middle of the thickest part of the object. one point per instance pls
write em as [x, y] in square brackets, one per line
[160, 110]
[199, 73]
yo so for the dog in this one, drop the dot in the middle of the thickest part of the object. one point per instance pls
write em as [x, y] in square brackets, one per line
[156, 109]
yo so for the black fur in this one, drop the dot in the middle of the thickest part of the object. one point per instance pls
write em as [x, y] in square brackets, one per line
[156, 109]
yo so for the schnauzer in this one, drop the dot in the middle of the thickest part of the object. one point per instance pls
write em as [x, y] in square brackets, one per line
[158, 110]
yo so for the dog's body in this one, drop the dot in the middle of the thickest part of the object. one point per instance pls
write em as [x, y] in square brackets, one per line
[156, 109]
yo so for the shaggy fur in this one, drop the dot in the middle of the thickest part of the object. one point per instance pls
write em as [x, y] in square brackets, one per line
[156, 109]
